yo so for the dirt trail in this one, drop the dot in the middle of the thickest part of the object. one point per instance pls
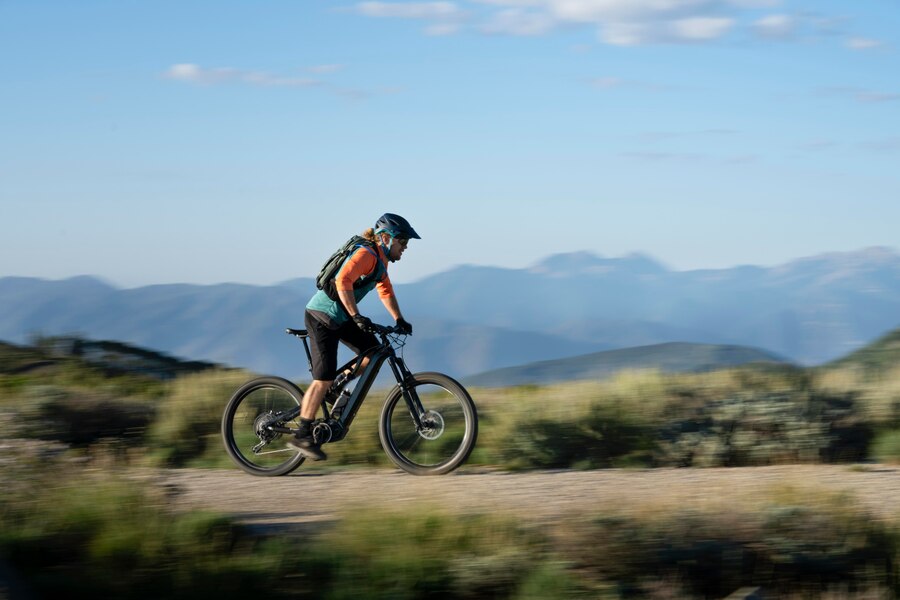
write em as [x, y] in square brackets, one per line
[544, 496]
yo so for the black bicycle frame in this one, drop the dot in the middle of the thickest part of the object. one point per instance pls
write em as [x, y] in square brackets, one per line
[377, 356]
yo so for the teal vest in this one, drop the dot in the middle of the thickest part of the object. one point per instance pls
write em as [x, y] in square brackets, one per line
[331, 312]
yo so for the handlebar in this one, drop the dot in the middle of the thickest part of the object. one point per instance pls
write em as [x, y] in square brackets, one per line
[381, 329]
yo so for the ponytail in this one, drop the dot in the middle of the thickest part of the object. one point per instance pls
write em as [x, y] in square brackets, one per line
[369, 234]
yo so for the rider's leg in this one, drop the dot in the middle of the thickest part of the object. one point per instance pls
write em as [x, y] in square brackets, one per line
[303, 440]
[313, 397]
[323, 352]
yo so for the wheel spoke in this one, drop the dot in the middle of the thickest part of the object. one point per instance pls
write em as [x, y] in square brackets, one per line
[250, 413]
[447, 435]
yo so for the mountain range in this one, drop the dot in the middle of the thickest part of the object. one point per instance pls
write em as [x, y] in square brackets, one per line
[471, 319]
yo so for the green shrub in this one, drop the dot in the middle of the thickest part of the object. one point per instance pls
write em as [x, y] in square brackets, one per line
[763, 428]
[80, 417]
[600, 438]
[70, 530]
[394, 555]
[886, 446]
[549, 580]
[786, 549]
[187, 428]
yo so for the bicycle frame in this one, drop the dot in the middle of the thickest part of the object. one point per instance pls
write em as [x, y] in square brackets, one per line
[377, 357]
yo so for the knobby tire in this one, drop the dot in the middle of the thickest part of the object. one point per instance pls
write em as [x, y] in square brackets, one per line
[253, 399]
[444, 446]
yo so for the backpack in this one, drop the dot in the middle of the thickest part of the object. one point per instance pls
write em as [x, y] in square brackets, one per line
[325, 279]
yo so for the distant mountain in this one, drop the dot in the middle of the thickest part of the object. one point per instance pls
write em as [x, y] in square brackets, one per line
[811, 310]
[881, 355]
[243, 325]
[673, 357]
[472, 319]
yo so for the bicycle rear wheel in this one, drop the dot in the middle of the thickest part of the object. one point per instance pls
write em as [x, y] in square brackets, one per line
[449, 431]
[250, 445]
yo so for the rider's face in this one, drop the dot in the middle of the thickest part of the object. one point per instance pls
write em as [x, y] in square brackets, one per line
[398, 247]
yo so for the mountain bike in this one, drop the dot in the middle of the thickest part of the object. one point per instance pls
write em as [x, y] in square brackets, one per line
[428, 424]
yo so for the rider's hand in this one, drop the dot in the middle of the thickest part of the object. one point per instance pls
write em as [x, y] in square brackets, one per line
[364, 323]
[403, 326]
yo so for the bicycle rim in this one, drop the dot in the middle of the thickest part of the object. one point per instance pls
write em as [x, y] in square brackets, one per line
[449, 433]
[251, 446]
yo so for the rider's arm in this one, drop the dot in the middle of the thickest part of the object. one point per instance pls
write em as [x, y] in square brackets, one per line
[386, 294]
[349, 301]
[390, 303]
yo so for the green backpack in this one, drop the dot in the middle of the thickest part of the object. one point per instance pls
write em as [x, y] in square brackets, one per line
[325, 279]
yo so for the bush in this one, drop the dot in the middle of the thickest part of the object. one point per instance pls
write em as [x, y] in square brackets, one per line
[601, 438]
[764, 428]
[68, 530]
[886, 446]
[786, 549]
[80, 418]
[396, 555]
[186, 430]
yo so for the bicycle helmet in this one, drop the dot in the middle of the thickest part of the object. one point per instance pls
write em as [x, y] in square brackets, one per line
[396, 226]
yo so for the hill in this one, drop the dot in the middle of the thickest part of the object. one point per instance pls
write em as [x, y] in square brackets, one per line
[113, 358]
[881, 355]
[671, 357]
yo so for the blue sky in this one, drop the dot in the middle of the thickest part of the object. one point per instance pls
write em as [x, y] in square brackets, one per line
[183, 141]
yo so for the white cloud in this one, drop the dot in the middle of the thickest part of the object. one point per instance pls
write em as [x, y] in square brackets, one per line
[637, 22]
[442, 28]
[701, 28]
[195, 74]
[184, 72]
[409, 10]
[775, 26]
[325, 68]
[443, 18]
[617, 22]
[625, 34]
[623, 11]
[695, 29]
[755, 3]
[513, 3]
[858, 43]
[192, 73]
[519, 22]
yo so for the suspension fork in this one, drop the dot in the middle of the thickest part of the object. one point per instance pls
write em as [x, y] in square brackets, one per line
[404, 380]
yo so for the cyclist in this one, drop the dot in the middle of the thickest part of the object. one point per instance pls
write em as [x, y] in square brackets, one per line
[331, 321]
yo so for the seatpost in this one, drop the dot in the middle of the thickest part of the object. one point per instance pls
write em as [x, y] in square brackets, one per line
[308, 355]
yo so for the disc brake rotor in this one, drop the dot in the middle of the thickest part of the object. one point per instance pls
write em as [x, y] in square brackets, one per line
[432, 425]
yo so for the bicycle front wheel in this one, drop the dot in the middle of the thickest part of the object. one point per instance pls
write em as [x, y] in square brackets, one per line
[449, 425]
[253, 447]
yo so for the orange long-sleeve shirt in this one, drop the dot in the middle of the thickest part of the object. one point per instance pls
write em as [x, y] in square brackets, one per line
[362, 263]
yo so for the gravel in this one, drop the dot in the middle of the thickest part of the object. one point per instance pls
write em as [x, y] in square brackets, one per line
[542, 497]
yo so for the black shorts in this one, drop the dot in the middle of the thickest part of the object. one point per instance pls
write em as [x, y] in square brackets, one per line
[324, 345]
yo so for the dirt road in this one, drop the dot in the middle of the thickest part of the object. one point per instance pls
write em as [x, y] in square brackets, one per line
[545, 496]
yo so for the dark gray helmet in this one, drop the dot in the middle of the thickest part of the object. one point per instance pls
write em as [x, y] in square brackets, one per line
[396, 226]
